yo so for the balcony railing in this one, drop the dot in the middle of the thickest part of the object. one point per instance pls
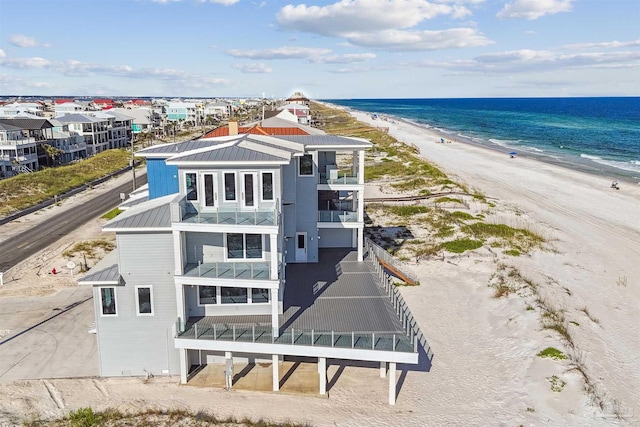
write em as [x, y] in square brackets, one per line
[230, 270]
[337, 216]
[379, 341]
[184, 211]
[342, 179]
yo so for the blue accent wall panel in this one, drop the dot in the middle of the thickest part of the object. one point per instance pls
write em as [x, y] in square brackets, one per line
[163, 179]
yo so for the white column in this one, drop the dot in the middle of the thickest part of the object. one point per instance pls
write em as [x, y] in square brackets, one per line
[322, 370]
[183, 366]
[383, 369]
[361, 167]
[276, 376]
[275, 321]
[180, 308]
[392, 383]
[354, 163]
[273, 248]
[360, 244]
[360, 195]
[177, 253]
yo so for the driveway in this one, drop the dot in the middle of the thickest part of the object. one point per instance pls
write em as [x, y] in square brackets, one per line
[47, 337]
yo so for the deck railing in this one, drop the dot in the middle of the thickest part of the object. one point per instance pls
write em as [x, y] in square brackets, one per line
[337, 216]
[400, 306]
[380, 341]
[259, 270]
[183, 210]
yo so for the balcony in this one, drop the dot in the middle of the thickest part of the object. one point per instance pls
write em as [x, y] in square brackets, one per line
[337, 216]
[230, 270]
[205, 329]
[185, 212]
[335, 178]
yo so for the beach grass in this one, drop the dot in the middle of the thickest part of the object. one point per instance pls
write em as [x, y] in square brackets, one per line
[459, 246]
[87, 417]
[25, 190]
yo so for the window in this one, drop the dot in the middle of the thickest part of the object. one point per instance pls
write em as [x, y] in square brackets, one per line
[233, 295]
[305, 165]
[207, 295]
[191, 186]
[144, 300]
[230, 186]
[267, 186]
[209, 195]
[108, 300]
[259, 295]
[244, 246]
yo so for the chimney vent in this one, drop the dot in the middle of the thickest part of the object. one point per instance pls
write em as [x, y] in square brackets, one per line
[233, 127]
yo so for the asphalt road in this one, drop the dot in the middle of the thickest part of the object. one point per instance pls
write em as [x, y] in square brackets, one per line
[23, 245]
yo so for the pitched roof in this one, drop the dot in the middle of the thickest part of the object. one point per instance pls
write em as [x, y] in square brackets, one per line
[9, 128]
[105, 272]
[234, 153]
[28, 123]
[320, 141]
[256, 130]
[78, 118]
[151, 215]
[63, 100]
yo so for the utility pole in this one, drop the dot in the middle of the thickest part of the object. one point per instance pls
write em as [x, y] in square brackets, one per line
[133, 164]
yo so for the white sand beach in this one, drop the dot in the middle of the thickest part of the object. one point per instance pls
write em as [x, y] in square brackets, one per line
[485, 370]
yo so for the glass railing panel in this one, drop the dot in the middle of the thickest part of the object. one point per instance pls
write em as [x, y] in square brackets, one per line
[263, 334]
[229, 270]
[337, 216]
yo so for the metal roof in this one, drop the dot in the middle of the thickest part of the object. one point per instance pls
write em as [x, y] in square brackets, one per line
[9, 127]
[327, 140]
[109, 275]
[233, 153]
[28, 123]
[152, 214]
[78, 118]
[177, 148]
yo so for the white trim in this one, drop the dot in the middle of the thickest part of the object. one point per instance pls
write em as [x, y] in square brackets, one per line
[313, 163]
[224, 187]
[137, 229]
[261, 187]
[219, 303]
[138, 301]
[115, 301]
[254, 187]
[184, 185]
[203, 199]
[244, 248]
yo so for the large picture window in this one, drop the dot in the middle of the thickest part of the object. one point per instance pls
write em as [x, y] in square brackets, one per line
[191, 186]
[305, 165]
[244, 246]
[233, 295]
[230, 186]
[207, 295]
[108, 301]
[259, 295]
[144, 300]
[267, 185]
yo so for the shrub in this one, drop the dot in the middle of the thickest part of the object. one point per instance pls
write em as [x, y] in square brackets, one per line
[460, 245]
[408, 210]
[552, 353]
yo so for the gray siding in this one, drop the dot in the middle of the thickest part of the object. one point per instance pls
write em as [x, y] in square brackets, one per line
[191, 298]
[209, 247]
[307, 213]
[336, 237]
[130, 344]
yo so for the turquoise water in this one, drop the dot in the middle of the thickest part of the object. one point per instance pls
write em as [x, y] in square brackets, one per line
[599, 135]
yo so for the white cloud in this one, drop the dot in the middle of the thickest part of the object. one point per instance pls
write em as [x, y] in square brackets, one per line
[253, 68]
[527, 60]
[349, 16]
[534, 9]
[16, 84]
[346, 58]
[613, 44]
[382, 24]
[20, 40]
[74, 68]
[222, 2]
[421, 40]
[287, 52]
[2, 54]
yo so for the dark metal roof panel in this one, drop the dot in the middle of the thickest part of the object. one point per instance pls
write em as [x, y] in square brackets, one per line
[156, 217]
[230, 154]
[109, 274]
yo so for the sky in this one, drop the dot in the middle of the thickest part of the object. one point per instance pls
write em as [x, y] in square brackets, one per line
[335, 49]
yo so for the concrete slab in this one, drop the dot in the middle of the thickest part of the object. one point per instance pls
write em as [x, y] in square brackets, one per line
[47, 337]
[295, 377]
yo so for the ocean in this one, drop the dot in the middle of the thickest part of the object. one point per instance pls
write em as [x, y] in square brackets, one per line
[596, 135]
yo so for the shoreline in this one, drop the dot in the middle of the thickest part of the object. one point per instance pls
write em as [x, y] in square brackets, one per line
[588, 167]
